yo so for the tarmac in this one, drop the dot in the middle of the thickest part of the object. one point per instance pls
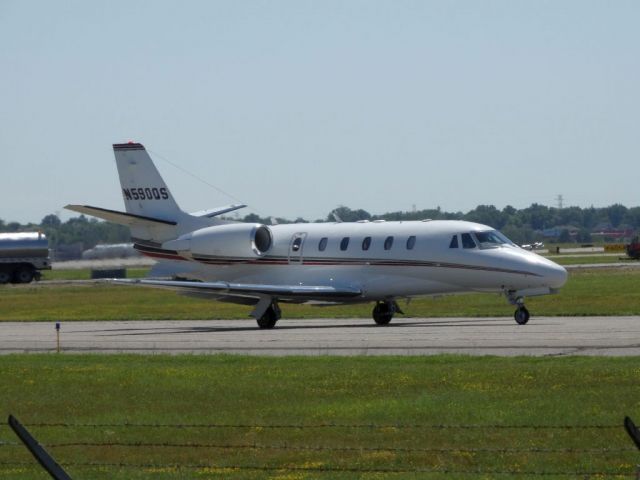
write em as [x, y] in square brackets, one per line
[542, 336]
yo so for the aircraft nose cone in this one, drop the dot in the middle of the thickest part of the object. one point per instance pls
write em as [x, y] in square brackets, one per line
[556, 275]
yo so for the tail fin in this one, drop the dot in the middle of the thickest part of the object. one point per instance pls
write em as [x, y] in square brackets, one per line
[143, 189]
[151, 211]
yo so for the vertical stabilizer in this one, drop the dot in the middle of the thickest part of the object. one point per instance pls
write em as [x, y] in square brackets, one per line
[152, 214]
[143, 189]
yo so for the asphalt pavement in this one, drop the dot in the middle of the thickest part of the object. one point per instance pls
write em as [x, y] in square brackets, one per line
[404, 336]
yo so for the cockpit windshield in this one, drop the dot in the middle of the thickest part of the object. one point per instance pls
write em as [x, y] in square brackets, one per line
[492, 239]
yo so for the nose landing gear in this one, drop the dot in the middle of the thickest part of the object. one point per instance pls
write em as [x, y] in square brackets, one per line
[521, 315]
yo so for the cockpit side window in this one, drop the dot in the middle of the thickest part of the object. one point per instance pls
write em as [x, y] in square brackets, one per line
[467, 241]
[491, 239]
[454, 242]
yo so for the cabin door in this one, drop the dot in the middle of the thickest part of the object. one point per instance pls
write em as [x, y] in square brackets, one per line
[296, 246]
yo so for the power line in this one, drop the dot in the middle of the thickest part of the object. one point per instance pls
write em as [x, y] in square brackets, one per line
[326, 425]
[200, 179]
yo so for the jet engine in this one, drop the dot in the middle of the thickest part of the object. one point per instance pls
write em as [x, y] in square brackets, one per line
[237, 240]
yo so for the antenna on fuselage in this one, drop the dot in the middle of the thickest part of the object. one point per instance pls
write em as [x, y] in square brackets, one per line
[336, 217]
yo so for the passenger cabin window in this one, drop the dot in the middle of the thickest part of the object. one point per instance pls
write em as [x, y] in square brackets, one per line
[388, 243]
[366, 243]
[411, 242]
[454, 242]
[344, 243]
[323, 244]
[467, 241]
[295, 246]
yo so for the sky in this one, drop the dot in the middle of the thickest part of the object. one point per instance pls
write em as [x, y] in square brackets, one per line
[297, 107]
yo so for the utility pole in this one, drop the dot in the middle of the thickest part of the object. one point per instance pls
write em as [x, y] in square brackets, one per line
[560, 200]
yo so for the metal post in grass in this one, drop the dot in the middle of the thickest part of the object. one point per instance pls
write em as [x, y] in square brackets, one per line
[634, 433]
[39, 453]
[58, 337]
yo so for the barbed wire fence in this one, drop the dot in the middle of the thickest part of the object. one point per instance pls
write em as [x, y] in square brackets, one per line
[615, 471]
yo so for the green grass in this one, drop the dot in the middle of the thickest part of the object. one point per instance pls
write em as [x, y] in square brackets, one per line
[259, 392]
[587, 292]
[587, 259]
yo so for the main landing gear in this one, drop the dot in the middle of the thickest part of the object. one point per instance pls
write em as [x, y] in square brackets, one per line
[383, 311]
[521, 315]
[270, 316]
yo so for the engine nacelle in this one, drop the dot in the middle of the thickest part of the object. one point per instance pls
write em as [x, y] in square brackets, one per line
[237, 240]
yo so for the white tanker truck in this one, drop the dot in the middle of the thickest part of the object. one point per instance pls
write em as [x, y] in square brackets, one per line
[22, 256]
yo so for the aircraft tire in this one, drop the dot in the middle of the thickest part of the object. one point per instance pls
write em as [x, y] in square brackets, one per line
[268, 320]
[521, 315]
[382, 313]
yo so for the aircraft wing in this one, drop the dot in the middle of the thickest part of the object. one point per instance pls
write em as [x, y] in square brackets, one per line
[249, 290]
[123, 218]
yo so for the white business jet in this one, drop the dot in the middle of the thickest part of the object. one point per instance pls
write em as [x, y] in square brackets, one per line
[328, 263]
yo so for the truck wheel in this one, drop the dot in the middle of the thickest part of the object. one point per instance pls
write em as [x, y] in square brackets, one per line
[5, 276]
[23, 275]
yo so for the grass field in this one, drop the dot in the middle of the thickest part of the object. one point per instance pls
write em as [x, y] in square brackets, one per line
[308, 418]
[589, 259]
[587, 292]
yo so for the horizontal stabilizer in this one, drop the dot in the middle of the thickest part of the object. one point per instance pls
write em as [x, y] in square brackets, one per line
[249, 289]
[115, 216]
[214, 212]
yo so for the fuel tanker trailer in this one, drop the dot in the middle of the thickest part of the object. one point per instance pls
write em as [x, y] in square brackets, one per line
[22, 256]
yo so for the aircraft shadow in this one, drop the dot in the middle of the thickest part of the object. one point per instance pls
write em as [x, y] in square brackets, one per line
[283, 327]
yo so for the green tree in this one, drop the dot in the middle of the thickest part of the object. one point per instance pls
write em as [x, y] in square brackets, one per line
[487, 215]
[616, 213]
[50, 221]
[565, 236]
[537, 216]
[347, 215]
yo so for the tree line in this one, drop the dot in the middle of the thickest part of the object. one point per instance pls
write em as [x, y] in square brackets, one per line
[521, 225]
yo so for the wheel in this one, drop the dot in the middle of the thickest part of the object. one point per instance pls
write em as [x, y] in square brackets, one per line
[269, 319]
[521, 315]
[383, 313]
[23, 275]
[5, 276]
